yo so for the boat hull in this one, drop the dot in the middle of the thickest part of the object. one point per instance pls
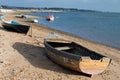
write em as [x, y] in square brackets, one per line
[64, 61]
[78, 63]
[16, 27]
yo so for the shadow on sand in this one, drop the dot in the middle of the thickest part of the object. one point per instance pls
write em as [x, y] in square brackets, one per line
[37, 57]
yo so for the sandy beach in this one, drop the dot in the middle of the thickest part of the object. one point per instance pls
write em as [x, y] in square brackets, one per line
[24, 58]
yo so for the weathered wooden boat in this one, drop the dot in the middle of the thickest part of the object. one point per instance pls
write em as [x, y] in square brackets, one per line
[15, 26]
[76, 57]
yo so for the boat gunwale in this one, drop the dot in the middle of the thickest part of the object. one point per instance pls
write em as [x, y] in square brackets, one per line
[68, 54]
[9, 23]
[61, 53]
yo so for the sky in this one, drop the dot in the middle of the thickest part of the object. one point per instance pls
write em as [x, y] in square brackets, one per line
[100, 5]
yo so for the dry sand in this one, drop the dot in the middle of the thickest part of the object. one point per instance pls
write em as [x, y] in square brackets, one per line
[23, 57]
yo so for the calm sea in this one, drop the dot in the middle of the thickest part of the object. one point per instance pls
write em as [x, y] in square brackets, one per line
[100, 27]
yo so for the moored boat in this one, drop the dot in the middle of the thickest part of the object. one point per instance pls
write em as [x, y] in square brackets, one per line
[33, 20]
[15, 26]
[76, 57]
[50, 18]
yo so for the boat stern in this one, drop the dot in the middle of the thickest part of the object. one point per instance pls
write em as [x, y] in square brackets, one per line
[93, 67]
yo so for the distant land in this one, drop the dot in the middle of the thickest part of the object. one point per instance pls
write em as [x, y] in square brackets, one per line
[46, 8]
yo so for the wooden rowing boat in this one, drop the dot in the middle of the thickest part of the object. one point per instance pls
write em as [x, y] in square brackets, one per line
[15, 26]
[76, 57]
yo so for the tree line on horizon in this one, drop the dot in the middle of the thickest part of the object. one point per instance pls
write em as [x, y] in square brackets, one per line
[46, 8]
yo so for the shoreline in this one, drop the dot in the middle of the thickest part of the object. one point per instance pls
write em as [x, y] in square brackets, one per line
[75, 36]
[23, 57]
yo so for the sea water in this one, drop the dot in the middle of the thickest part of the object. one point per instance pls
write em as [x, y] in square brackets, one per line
[101, 27]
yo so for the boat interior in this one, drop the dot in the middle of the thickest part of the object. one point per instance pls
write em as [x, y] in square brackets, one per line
[76, 49]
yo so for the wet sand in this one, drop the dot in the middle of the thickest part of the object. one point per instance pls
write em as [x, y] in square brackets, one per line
[24, 58]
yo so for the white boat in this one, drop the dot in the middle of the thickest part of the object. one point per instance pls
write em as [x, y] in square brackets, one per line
[34, 20]
[50, 18]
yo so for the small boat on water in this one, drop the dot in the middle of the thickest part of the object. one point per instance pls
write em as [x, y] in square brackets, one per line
[33, 20]
[15, 26]
[50, 18]
[76, 57]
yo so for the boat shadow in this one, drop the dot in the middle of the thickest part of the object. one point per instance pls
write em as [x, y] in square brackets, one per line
[36, 55]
